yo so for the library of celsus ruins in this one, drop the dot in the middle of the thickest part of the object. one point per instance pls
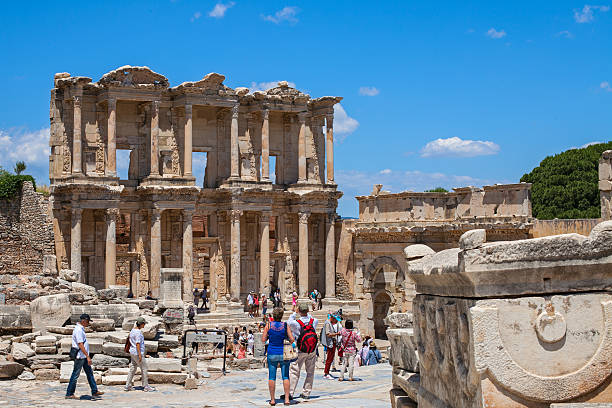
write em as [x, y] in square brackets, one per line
[264, 217]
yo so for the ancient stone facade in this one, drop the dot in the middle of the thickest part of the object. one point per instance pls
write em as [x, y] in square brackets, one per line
[376, 270]
[605, 184]
[512, 324]
[27, 261]
[247, 228]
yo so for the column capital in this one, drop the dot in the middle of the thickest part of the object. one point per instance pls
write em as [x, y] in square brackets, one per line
[331, 217]
[265, 113]
[112, 103]
[188, 213]
[329, 120]
[155, 104]
[302, 117]
[188, 110]
[156, 214]
[265, 216]
[303, 217]
[111, 213]
[235, 215]
[235, 110]
[76, 212]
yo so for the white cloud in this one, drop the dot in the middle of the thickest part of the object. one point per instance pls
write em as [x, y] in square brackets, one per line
[31, 147]
[565, 34]
[288, 14]
[605, 85]
[385, 171]
[219, 10]
[195, 16]
[590, 144]
[586, 15]
[264, 86]
[458, 147]
[493, 33]
[343, 123]
[368, 91]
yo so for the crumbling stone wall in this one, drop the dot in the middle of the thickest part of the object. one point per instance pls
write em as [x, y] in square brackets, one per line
[26, 237]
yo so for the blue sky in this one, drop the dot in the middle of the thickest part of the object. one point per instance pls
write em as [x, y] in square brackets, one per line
[435, 93]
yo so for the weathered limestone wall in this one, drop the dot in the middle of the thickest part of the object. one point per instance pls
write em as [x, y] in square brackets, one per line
[605, 184]
[546, 228]
[508, 200]
[26, 237]
[525, 323]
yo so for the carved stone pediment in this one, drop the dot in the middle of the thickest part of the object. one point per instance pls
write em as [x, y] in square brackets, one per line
[284, 91]
[137, 77]
[212, 83]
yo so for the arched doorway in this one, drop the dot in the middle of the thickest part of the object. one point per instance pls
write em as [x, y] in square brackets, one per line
[382, 302]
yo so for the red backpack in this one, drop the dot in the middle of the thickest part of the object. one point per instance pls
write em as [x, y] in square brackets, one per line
[307, 342]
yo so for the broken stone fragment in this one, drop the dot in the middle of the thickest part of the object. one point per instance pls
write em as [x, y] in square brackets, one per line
[69, 275]
[10, 370]
[21, 351]
[51, 310]
[473, 239]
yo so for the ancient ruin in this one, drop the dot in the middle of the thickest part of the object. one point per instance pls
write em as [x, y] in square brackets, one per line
[251, 226]
[509, 324]
[371, 251]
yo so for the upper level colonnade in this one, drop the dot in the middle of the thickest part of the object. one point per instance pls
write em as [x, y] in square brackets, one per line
[135, 109]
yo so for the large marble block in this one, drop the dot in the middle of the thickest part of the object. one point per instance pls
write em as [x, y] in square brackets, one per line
[515, 324]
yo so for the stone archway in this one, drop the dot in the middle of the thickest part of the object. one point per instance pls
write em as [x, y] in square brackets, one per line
[382, 304]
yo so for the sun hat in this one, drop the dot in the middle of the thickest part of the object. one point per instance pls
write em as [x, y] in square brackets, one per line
[85, 316]
[141, 320]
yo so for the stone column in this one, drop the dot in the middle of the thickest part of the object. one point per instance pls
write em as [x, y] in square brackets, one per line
[188, 139]
[265, 146]
[75, 240]
[329, 148]
[302, 149]
[77, 154]
[154, 139]
[110, 264]
[111, 148]
[155, 277]
[234, 148]
[264, 253]
[235, 255]
[303, 254]
[187, 254]
[330, 257]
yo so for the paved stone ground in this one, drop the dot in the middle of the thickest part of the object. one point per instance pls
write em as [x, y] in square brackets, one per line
[237, 389]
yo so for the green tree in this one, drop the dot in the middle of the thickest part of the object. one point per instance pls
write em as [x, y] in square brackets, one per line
[20, 167]
[437, 190]
[566, 185]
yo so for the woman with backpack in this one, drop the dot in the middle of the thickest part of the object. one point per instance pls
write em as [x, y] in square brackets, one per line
[348, 350]
[276, 332]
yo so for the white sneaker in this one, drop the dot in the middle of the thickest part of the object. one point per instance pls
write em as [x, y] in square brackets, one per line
[328, 377]
[149, 389]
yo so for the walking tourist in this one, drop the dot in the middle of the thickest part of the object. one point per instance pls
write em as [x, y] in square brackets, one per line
[275, 334]
[137, 357]
[304, 329]
[80, 353]
[374, 355]
[235, 341]
[264, 305]
[255, 305]
[196, 297]
[348, 349]
[329, 338]
[250, 342]
[250, 304]
[205, 297]
[294, 298]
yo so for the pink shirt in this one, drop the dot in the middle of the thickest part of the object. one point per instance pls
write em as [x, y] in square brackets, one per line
[349, 338]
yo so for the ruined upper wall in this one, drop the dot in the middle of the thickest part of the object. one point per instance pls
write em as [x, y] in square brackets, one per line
[135, 109]
[605, 184]
[501, 200]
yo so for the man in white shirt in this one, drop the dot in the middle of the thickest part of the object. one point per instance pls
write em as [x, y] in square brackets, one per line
[250, 304]
[137, 356]
[82, 360]
[304, 359]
